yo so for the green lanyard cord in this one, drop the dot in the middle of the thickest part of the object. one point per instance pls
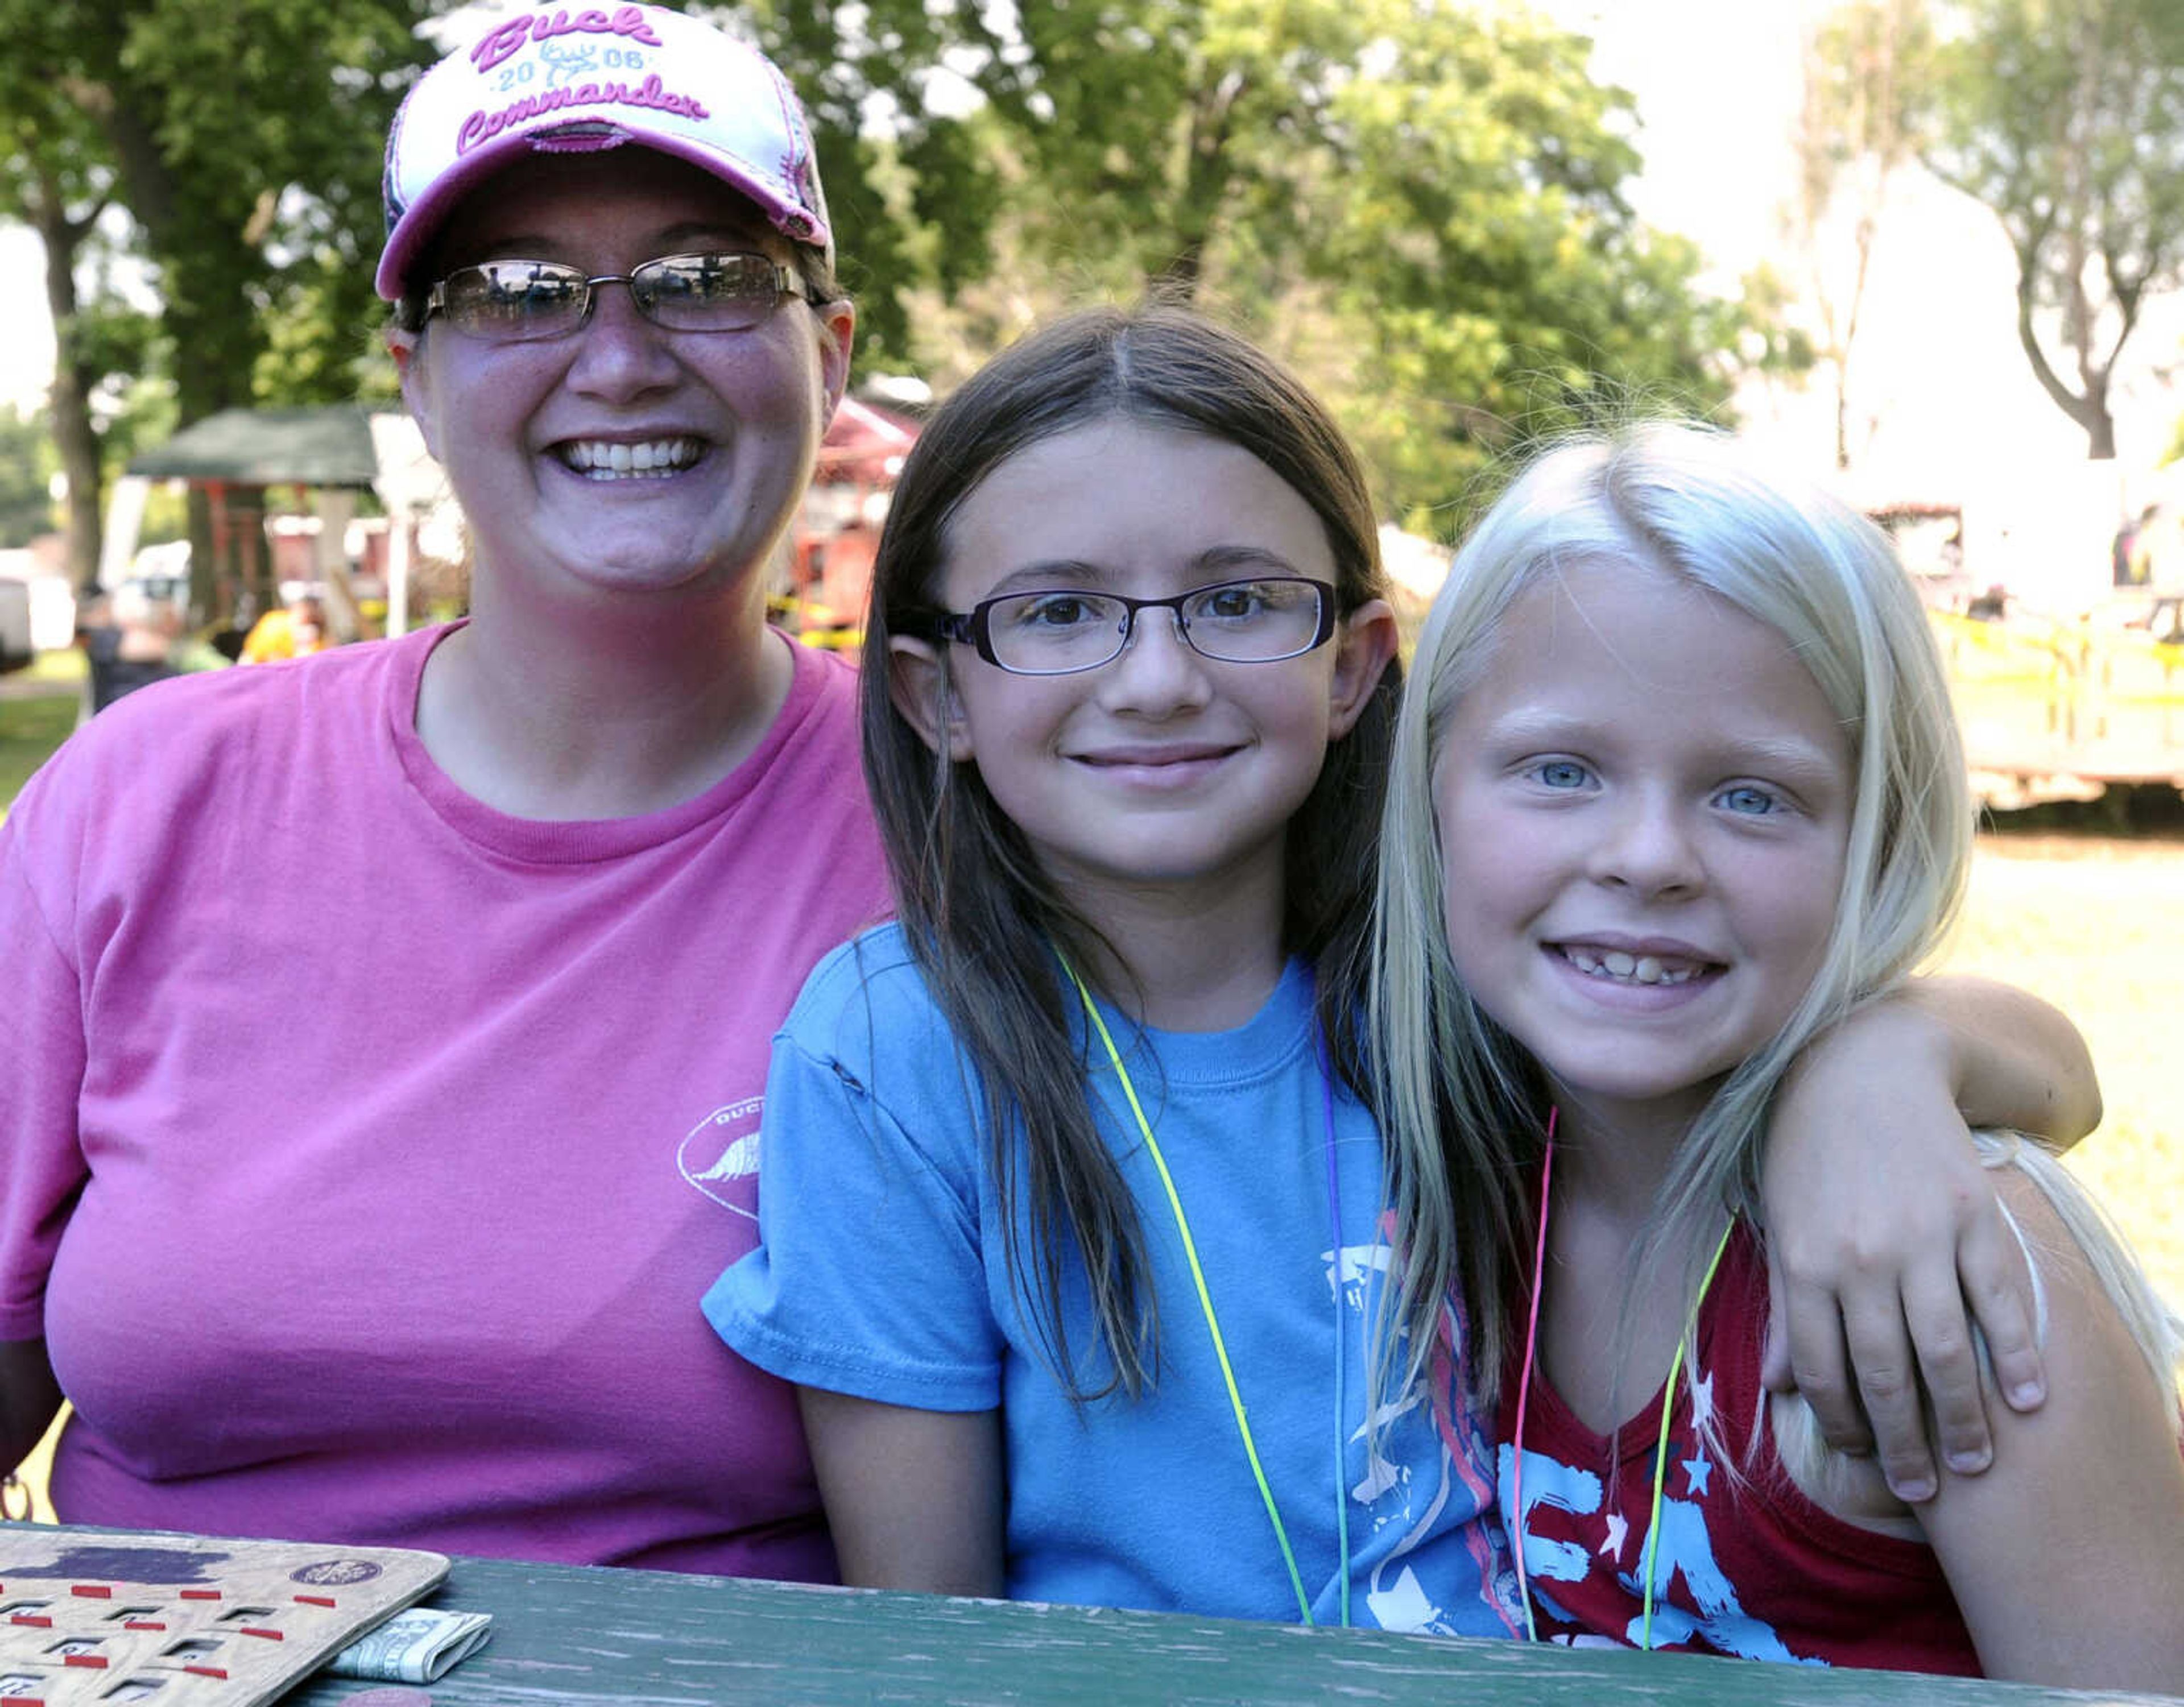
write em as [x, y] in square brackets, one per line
[1661, 1448]
[1205, 1296]
[1667, 1404]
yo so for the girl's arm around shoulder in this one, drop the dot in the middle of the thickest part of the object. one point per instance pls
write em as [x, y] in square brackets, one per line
[2067, 1557]
[914, 1498]
[1884, 1234]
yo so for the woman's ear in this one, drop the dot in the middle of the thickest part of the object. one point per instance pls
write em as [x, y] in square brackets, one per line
[1365, 642]
[838, 332]
[407, 347]
[917, 683]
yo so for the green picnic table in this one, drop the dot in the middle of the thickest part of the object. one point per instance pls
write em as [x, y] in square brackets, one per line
[565, 1636]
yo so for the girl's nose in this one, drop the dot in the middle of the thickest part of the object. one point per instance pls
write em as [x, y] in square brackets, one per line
[1645, 845]
[1158, 673]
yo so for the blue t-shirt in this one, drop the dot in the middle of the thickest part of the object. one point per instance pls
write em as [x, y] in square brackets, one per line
[881, 1273]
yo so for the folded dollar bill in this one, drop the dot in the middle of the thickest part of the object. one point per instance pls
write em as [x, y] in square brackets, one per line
[415, 1646]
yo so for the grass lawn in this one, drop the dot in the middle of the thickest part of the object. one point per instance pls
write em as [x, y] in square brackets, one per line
[30, 728]
[2096, 925]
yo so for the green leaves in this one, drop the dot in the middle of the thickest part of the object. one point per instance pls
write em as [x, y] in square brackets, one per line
[1421, 204]
[2066, 118]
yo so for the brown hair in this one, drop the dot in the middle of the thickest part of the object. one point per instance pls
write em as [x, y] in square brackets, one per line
[981, 917]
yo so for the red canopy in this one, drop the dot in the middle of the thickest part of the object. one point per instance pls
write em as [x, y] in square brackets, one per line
[865, 444]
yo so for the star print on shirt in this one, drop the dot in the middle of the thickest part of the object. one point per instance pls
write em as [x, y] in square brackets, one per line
[1702, 1399]
[1697, 1470]
[1619, 1531]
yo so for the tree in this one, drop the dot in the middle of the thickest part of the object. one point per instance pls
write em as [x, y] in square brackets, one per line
[1421, 205]
[1466, 222]
[50, 181]
[2066, 118]
[242, 138]
[25, 510]
[1867, 69]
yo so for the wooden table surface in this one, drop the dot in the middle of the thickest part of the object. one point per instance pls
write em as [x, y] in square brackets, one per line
[571, 1635]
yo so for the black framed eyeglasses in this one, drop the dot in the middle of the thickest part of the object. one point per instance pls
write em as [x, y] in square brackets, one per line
[1061, 630]
[525, 301]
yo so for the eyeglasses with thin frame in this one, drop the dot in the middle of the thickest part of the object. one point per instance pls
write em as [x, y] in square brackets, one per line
[1059, 630]
[513, 302]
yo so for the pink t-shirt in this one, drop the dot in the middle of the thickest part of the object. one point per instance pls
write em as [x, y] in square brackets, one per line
[365, 1152]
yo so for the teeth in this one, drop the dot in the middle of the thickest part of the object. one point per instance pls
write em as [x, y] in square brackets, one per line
[600, 459]
[1632, 968]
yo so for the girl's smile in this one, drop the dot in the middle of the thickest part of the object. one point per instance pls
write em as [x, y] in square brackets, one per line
[1644, 806]
[1647, 972]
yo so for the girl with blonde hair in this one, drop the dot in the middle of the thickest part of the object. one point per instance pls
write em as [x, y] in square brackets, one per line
[1676, 789]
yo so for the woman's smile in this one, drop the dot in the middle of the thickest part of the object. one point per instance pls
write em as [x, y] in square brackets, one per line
[622, 455]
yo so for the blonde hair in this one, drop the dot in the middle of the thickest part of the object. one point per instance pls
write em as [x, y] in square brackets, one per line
[1463, 1103]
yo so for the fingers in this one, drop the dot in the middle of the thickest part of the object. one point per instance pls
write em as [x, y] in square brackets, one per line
[1997, 1287]
[1775, 1373]
[1889, 1363]
[1888, 1380]
[1934, 1312]
[1812, 1342]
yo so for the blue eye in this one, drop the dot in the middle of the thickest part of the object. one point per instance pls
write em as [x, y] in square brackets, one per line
[1560, 774]
[1749, 800]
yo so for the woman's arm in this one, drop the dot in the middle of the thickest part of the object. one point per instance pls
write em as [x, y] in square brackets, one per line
[1884, 1235]
[2066, 1558]
[914, 1497]
[28, 1399]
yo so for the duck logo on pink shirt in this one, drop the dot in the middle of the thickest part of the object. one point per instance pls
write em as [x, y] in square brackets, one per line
[719, 1156]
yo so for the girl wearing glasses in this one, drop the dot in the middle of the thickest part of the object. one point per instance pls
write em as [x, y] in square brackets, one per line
[1075, 1217]
[383, 1037]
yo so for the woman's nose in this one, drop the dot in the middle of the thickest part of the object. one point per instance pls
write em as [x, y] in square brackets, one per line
[619, 353]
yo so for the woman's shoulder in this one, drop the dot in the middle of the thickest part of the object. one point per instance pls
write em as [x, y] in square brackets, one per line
[171, 737]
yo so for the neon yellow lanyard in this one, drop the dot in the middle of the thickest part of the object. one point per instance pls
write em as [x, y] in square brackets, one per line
[1213, 1321]
[1668, 1407]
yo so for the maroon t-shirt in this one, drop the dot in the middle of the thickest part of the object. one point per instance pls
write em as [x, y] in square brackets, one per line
[1747, 1565]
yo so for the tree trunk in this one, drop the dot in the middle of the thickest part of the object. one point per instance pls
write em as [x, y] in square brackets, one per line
[69, 398]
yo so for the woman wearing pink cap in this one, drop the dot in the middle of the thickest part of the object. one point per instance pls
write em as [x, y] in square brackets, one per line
[389, 1030]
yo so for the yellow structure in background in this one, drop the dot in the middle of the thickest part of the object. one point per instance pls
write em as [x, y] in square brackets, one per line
[2055, 710]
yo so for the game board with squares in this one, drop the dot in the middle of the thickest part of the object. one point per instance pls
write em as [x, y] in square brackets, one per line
[94, 1617]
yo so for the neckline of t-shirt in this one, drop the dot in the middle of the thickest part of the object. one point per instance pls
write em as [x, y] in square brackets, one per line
[558, 842]
[1267, 1042]
[1789, 1504]
[1722, 1312]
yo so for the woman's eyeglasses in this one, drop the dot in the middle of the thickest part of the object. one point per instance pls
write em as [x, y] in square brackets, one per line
[1058, 632]
[523, 301]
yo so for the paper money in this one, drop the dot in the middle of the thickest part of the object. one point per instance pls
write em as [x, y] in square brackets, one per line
[416, 1646]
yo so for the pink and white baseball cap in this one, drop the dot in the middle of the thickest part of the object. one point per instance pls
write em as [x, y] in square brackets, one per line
[573, 79]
